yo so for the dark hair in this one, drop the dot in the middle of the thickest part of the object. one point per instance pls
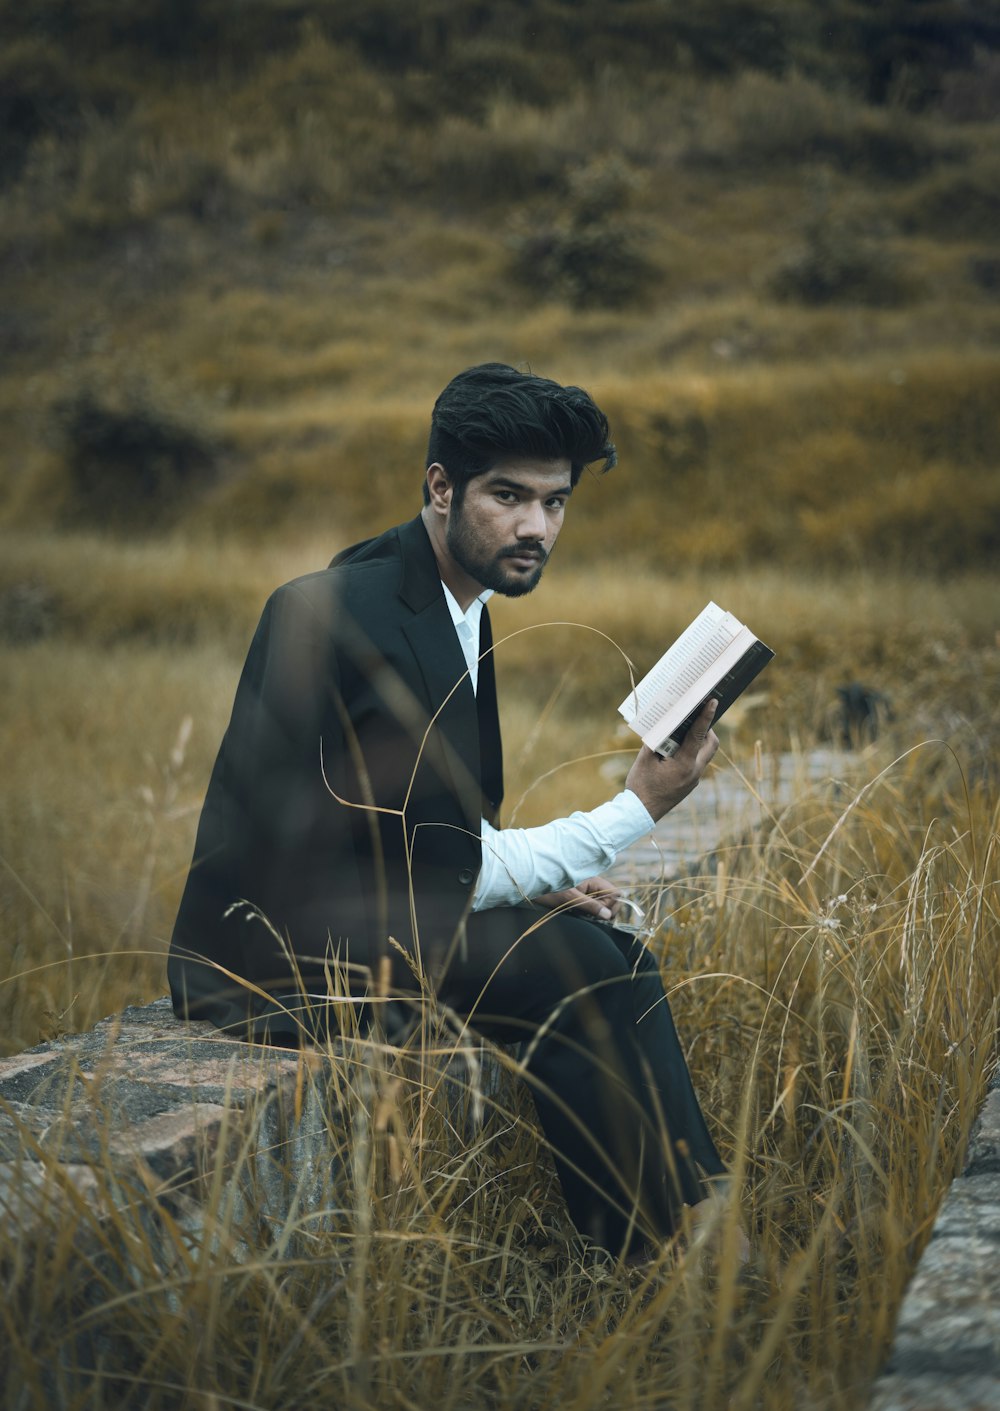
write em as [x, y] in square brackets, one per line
[492, 410]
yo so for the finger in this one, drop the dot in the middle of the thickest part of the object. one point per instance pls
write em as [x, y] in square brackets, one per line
[609, 899]
[600, 886]
[702, 726]
[708, 714]
[594, 906]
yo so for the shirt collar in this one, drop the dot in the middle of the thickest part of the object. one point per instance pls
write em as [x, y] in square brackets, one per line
[469, 618]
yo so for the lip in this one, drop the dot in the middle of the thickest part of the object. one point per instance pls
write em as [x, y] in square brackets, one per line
[526, 560]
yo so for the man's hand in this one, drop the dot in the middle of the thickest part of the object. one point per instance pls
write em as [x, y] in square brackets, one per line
[594, 897]
[662, 783]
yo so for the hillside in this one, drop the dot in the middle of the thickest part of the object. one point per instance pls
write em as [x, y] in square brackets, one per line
[241, 252]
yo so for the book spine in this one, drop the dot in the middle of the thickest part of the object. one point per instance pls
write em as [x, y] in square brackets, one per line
[726, 690]
[675, 712]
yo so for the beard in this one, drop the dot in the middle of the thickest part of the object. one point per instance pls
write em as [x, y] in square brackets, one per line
[489, 566]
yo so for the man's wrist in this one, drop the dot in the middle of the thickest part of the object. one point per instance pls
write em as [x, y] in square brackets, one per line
[637, 809]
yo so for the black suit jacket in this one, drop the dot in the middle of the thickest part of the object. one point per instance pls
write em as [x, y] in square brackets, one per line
[345, 803]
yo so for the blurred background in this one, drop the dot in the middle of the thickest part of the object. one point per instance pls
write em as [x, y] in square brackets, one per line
[244, 245]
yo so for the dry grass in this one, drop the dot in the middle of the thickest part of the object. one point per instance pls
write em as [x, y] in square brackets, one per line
[835, 985]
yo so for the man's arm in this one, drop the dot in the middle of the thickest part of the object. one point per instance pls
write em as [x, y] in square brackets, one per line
[522, 864]
[556, 863]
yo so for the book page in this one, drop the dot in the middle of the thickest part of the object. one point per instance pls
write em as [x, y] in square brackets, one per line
[722, 668]
[680, 667]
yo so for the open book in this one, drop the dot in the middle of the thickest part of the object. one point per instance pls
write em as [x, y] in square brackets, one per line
[716, 656]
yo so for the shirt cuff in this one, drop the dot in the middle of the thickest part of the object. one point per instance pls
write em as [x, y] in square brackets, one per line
[629, 817]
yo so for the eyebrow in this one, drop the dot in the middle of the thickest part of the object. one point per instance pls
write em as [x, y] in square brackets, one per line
[504, 482]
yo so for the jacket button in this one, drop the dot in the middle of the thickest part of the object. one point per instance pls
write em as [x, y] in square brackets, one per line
[465, 876]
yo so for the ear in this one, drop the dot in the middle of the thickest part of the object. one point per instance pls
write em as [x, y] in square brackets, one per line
[440, 487]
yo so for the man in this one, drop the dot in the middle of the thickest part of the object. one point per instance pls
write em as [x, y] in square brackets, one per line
[354, 805]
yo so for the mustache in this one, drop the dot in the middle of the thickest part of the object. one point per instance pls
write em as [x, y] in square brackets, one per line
[521, 551]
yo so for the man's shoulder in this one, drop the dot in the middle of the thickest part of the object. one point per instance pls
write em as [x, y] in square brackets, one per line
[341, 584]
[384, 548]
[363, 573]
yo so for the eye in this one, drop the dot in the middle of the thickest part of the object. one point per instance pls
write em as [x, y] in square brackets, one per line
[507, 497]
[557, 502]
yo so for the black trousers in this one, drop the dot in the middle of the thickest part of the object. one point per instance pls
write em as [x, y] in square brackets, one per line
[609, 1079]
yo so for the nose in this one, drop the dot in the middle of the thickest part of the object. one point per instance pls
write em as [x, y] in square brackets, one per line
[531, 521]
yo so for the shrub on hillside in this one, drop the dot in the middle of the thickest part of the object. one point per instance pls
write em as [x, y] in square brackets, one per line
[127, 173]
[762, 121]
[520, 150]
[973, 94]
[313, 126]
[897, 51]
[29, 611]
[837, 263]
[131, 461]
[591, 265]
[475, 74]
[301, 130]
[39, 93]
[316, 77]
[962, 204]
[592, 252]
[984, 271]
[510, 157]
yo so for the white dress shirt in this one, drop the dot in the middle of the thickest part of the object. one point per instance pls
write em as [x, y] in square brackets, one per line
[520, 863]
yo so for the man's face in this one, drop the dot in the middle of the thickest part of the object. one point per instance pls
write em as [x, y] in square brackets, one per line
[502, 532]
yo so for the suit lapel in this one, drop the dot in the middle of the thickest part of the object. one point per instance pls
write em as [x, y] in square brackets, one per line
[441, 666]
